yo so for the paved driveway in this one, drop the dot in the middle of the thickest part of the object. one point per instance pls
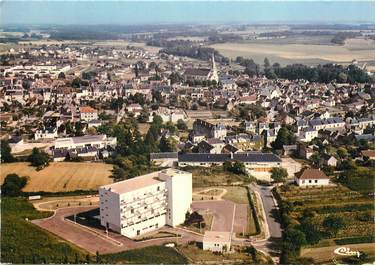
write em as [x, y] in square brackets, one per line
[95, 239]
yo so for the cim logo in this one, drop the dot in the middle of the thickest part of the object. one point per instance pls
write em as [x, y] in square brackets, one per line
[345, 251]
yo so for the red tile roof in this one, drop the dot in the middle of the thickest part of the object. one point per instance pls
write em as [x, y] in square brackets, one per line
[87, 109]
[313, 173]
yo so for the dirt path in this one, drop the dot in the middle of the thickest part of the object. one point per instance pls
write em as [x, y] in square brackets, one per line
[208, 196]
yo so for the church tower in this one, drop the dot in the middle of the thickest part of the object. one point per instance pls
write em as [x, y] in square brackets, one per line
[214, 75]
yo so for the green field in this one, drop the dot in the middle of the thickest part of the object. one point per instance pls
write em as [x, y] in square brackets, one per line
[24, 242]
[147, 255]
[360, 179]
[214, 176]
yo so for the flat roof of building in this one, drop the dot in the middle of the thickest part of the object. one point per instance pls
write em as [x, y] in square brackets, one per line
[217, 236]
[142, 181]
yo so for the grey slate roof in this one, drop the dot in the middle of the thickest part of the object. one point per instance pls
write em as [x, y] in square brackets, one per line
[220, 158]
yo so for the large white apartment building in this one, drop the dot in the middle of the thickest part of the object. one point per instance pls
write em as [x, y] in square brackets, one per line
[142, 204]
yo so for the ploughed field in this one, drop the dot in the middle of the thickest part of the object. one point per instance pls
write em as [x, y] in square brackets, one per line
[286, 51]
[61, 176]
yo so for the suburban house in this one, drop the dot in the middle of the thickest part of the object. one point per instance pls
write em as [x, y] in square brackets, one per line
[312, 177]
[211, 145]
[46, 133]
[87, 113]
[216, 241]
[142, 204]
[210, 130]
[368, 153]
[329, 160]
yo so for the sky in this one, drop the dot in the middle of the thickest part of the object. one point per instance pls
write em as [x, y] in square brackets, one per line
[180, 12]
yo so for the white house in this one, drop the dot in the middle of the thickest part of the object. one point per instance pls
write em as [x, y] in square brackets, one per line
[48, 133]
[135, 206]
[312, 177]
[88, 113]
[217, 241]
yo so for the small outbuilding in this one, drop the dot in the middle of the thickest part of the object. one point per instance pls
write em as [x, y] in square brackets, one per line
[217, 241]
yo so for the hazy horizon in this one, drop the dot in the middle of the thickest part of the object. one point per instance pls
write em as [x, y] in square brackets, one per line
[185, 12]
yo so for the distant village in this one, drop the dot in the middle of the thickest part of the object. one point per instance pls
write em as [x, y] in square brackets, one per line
[165, 122]
[58, 98]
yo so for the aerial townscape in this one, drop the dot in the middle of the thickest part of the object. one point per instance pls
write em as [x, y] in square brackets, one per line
[186, 142]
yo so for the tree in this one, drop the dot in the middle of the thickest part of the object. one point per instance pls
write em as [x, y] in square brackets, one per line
[311, 231]
[167, 144]
[6, 155]
[61, 75]
[38, 158]
[266, 63]
[181, 125]
[97, 257]
[294, 239]
[342, 153]
[333, 224]
[88, 259]
[236, 167]
[279, 174]
[13, 184]
[118, 173]
[284, 137]
[315, 159]
[76, 83]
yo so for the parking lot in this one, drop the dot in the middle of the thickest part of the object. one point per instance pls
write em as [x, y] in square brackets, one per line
[227, 216]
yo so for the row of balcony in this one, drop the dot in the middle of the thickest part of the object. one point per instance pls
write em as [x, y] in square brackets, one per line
[131, 223]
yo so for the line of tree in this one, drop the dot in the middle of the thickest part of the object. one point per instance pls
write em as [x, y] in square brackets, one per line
[322, 73]
[188, 49]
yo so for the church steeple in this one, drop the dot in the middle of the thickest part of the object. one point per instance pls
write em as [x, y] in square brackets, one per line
[213, 63]
[213, 74]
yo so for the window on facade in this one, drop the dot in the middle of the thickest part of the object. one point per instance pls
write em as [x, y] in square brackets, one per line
[310, 181]
[316, 181]
[132, 211]
[158, 189]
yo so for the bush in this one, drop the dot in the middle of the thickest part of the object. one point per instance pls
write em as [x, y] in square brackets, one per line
[38, 158]
[355, 240]
[13, 184]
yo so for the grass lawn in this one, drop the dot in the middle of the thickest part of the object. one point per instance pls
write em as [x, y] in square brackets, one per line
[24, 242]
[61, 176]
[147, 255]
[159, 234]
[215, 176]
[236, 194]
